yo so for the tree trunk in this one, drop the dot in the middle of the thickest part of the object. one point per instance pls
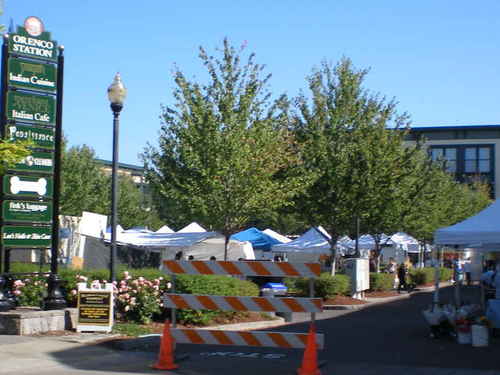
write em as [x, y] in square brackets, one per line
[334, 257]
[378, 262]
[378, 254]
[226, 246]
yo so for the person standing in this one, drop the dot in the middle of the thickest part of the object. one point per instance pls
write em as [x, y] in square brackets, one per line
[402, 271]
[467, 267]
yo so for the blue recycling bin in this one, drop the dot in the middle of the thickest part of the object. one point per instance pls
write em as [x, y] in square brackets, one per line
[278, 289]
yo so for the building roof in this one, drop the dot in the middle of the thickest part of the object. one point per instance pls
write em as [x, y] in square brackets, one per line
[121, 165]
[455, 127]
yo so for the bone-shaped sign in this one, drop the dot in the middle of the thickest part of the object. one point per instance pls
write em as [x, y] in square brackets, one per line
[17, 185]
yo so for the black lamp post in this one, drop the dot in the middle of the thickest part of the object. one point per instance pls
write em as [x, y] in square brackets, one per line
[116, 94]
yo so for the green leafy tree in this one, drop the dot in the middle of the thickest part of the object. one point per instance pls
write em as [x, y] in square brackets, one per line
[12, 153]
[86, 187]
[348, 144]
[225, 155]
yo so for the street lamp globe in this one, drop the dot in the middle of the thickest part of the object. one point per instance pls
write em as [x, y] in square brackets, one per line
[117, 92]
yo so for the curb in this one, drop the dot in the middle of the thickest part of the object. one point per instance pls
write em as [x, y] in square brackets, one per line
[376, 301]
[346, 307]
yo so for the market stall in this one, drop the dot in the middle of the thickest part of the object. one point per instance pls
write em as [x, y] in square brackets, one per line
[479, 233]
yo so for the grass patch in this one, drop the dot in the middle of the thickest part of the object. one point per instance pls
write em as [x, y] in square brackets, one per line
[132, 329]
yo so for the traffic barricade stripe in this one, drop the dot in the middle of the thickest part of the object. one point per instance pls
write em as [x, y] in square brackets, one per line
[263, 303]
[255, 338]
[279, 340]
[246, 268]
[178, 301]
[250, 339]
[173, 266]
[227, 303]
[287, 268]
[193, 336]
[230, 268]
[202, 267]
[222, 338]
[259, 268]
[207, 302]
[292, 304]
[235, 303]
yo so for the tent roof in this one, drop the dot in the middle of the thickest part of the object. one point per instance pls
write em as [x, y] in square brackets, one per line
[192, 228]
[257, 238]
[162, 240]
[276, 235]
[310, 242]
[406, 242]
[481, 230]
[165, 229]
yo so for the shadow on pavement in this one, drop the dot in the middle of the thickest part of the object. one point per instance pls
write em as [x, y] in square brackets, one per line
[391, 335]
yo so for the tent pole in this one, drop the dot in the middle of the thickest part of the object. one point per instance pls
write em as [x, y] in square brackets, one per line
[435, 299]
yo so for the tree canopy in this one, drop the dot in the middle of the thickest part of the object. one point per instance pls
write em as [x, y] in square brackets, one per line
[225, 154]
[86, 187]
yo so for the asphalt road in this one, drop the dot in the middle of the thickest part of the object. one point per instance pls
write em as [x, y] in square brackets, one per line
[383, 339]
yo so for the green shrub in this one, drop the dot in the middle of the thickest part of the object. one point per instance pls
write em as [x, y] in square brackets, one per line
[210, 285]
[423, 276]
[19, 267]
[381, 281]
[325, 286]
[445, 274]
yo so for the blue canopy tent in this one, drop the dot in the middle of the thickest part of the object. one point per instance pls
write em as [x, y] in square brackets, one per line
[258, 239]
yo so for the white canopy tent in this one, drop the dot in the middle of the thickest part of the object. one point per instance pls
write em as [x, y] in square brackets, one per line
[308, 247]
[481, 231]
[165, 229]
[192, 228]
[276, 235]
[201, 245]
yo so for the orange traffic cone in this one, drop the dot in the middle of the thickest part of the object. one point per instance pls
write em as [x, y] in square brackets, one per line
[166, 357]
[310, 359]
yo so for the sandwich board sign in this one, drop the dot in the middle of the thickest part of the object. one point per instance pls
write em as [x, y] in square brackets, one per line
[95, 308]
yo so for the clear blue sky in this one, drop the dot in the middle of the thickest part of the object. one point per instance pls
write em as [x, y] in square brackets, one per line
[439, 59]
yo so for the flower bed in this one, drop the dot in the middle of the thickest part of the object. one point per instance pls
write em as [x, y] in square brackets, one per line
[139, 298]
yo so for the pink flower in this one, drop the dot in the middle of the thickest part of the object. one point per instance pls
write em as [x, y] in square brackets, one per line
[17, 292]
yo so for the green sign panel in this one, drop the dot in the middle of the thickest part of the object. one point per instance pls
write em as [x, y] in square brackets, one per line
[39, 109]
[39, 47]
[27, 212]
[31, 75]
[41, 137]
[28, 186]
[41, 162]
[26, 236]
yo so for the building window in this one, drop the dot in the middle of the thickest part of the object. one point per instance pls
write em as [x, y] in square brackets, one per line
[448, 154]
[467, 163]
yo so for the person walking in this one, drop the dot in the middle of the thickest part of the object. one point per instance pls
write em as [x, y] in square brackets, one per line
[402, 271]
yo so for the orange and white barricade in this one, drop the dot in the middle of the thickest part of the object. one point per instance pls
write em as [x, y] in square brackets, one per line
[243, 303]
